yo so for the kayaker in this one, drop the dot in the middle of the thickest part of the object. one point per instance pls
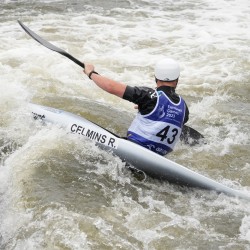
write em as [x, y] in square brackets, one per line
[161, 112]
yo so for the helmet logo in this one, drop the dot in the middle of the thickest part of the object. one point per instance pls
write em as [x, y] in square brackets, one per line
[165, 80]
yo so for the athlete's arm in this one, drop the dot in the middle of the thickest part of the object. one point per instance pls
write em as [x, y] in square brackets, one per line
[109, 85]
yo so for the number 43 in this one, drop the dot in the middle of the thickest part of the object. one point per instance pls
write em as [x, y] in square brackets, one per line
[163, 134]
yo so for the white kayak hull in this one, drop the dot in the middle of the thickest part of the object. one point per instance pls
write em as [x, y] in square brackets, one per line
[141, 158]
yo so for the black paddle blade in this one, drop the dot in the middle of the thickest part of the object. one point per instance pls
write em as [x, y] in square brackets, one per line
[191, 136]
[50, 45]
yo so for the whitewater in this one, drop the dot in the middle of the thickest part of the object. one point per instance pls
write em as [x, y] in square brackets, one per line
[59, 192]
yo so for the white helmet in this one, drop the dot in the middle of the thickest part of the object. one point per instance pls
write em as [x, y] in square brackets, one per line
[167, 70]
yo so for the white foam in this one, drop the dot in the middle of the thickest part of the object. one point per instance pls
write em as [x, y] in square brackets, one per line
[245, 228]
[211, 41]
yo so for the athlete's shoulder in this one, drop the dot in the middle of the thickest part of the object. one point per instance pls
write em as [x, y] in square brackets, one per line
[134, 94]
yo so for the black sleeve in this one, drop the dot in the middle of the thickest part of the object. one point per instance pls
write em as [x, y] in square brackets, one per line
[138, 95]
[142, 96]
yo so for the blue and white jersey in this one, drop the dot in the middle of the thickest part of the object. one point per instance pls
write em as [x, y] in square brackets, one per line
[160, 129]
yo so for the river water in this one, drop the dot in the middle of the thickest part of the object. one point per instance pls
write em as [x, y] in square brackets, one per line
[59, 192]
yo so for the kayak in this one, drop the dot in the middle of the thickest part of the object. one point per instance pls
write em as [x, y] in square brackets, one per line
[140, 158]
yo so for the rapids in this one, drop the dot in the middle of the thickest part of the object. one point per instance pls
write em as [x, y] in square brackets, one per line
[57, 192]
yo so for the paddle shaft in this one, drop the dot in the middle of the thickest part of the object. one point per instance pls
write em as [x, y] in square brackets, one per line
[81, 64]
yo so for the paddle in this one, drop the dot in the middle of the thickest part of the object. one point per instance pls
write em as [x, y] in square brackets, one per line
[188, 135]
[191, 136]
[50, 45]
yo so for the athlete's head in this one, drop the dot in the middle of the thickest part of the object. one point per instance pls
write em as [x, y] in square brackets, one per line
[167, 70]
